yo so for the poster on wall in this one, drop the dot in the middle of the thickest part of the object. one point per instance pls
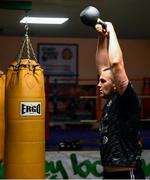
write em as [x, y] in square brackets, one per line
[59, 61]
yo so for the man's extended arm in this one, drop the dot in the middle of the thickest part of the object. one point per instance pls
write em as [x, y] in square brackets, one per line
[114, 57]
[102, 58]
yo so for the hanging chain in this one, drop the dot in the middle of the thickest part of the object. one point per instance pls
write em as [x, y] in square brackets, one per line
[27, 41]
[28, 45]
[32, 50]
[21, 51]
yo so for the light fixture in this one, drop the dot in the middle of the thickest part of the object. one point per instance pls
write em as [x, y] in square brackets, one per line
[43, 20]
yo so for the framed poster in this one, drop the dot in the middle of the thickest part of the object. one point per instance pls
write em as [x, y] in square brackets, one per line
[60, 61]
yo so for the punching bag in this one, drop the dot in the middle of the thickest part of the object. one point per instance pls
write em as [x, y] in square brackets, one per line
[47, 107]
[2, 114]
[25, 121]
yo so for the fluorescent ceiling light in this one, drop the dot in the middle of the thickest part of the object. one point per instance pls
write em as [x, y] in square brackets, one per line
[41, 20]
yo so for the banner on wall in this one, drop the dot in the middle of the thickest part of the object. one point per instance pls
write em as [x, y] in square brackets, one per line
[73, 165]
[79, 165]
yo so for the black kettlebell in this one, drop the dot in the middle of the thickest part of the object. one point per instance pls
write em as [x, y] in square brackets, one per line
[90, 17]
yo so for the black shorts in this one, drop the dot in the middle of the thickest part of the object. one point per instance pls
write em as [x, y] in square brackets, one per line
[131, 174]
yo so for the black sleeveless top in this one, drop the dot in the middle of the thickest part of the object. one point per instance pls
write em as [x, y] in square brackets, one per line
[120, 130]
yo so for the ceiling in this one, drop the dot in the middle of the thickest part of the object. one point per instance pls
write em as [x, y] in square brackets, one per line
[130, 17]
